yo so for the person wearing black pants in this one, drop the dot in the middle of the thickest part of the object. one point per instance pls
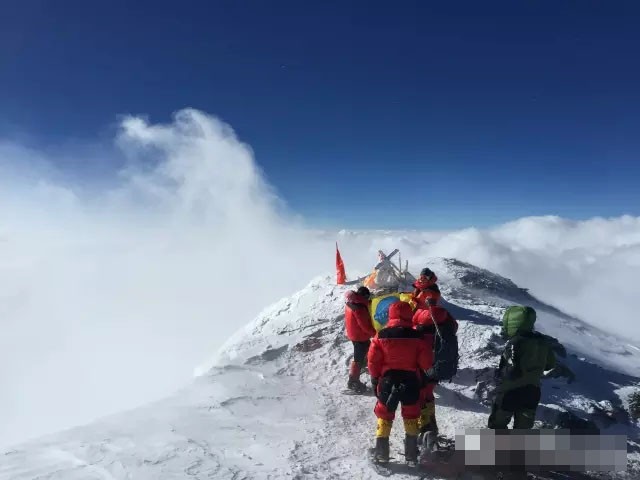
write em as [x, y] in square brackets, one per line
[360, 330]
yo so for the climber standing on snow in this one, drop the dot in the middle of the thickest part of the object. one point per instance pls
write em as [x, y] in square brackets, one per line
[396, 358]
[360, 331]
[425, 287]
[526, 357]
[442, 345]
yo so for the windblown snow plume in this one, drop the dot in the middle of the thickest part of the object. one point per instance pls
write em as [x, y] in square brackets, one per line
[110, 295]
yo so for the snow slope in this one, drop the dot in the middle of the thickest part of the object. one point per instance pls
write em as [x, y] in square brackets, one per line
[269, 405]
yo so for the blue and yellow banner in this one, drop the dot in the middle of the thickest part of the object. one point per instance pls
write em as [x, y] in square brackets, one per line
[380, 307]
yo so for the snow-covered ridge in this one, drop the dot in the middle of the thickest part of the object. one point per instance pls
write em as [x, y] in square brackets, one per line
[269, 405]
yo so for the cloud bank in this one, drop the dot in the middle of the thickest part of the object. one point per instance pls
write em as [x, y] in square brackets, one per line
[586, 268]
[112, 291]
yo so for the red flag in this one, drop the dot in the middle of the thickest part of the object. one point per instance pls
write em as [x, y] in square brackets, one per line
[340, 273]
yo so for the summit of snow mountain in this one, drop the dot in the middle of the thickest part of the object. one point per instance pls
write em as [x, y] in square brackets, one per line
[270, 403]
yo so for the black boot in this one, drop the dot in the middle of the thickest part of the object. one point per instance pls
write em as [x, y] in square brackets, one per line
[382, 450]
[411, 448]
[427, 446]
[356, 385]
[433, 425]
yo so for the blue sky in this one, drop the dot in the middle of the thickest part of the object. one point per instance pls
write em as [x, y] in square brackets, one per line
[362, 114]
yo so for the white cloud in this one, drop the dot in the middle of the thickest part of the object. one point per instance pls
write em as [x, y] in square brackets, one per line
[587, 268]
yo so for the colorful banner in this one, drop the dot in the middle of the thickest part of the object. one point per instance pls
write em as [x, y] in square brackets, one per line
[380, 307]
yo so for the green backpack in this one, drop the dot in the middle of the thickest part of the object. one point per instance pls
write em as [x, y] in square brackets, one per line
[518, 319]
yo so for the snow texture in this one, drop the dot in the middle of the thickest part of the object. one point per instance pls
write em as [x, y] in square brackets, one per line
[270, 403]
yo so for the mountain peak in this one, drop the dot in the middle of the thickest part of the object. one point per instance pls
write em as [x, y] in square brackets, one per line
[270, 404]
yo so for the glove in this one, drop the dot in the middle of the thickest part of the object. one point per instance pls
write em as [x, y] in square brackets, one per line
[428, 377]
[374, 384]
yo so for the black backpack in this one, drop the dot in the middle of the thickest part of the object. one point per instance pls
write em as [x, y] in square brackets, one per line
[445, 354]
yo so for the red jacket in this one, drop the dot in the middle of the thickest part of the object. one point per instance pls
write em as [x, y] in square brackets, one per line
[358, 319]
[423, 322]
[423, 317]
[398, 346]
[422, 293]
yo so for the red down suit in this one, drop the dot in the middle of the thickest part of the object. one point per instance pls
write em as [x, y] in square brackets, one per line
[397, 356]
[357, 318]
